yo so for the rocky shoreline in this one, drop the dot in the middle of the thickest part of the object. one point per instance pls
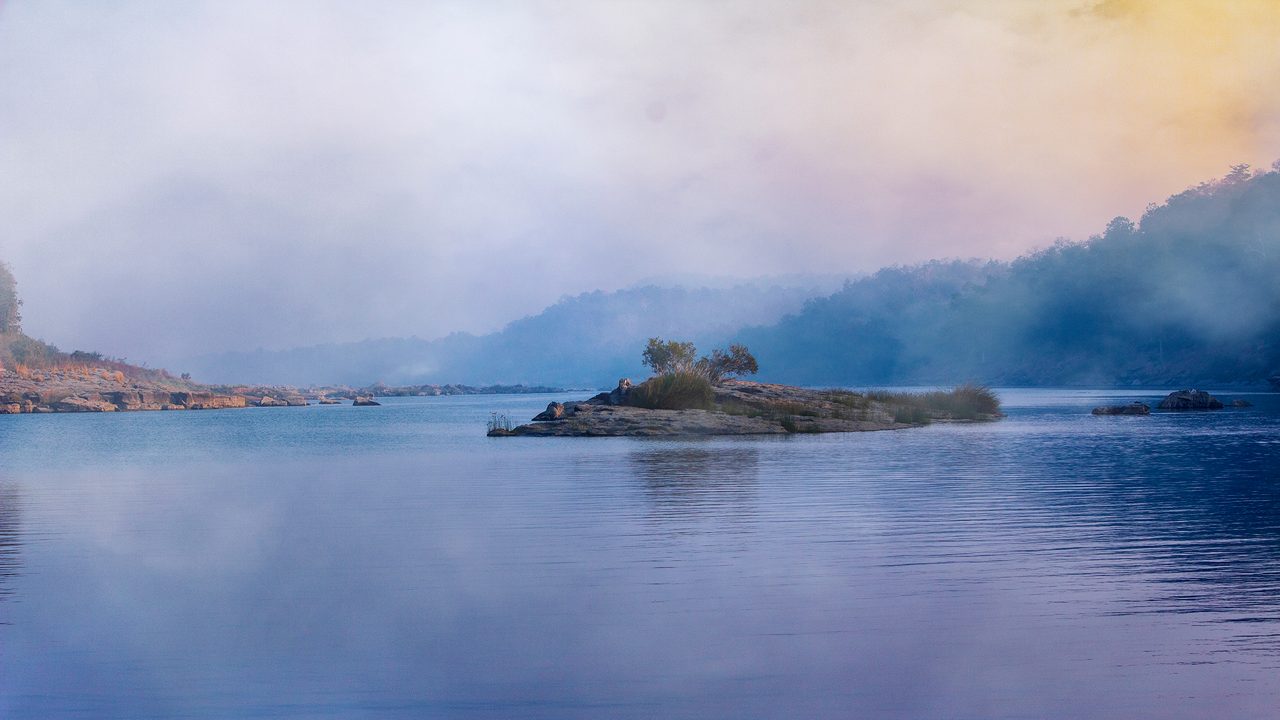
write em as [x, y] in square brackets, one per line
[740, 408]
[58, 395]
[82, 389]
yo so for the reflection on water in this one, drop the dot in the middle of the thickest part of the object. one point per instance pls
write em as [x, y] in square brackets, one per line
[1051, 565]
[681, 481]
[10, 540]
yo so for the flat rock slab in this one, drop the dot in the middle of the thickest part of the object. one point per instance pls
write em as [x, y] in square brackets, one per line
[587, 420]
[621, 420]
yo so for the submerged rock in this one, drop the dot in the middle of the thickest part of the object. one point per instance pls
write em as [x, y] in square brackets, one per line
[1133, 408]
[1190, 400]
[1241, 403]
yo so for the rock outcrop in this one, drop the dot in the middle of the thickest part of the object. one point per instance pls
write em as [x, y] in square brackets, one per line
[554, 411]
[59, 390]
[1190, 400]
[1133, 408]
[364, 402]
[75, 403]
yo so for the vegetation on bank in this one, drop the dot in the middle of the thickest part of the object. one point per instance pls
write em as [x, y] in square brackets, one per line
[28, 358]
[1185, 296]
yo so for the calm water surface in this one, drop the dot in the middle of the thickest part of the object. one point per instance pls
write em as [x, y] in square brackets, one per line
[395, 563]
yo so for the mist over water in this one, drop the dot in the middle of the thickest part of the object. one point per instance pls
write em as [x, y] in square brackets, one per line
[393, 562]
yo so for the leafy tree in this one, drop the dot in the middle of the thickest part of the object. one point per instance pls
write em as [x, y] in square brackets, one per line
[738, 361]
[10, 319]
[669, 357]
[672, 357]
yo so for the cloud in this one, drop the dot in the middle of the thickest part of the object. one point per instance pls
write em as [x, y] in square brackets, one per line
[186, 178]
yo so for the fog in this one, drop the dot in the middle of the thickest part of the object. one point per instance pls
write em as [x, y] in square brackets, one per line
[178, 179]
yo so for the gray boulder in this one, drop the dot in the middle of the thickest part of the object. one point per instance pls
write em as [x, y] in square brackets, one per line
[619, 394]
[1190, 400]
[554, 411]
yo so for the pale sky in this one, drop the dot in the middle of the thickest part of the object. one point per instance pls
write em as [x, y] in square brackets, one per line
[185, 177]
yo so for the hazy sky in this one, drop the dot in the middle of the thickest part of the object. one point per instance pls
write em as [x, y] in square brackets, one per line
[180, 177]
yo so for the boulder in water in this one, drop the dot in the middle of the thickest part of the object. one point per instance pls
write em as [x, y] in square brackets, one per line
[1190, 400]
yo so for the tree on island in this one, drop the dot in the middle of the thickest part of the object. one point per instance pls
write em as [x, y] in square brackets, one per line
[673, 357]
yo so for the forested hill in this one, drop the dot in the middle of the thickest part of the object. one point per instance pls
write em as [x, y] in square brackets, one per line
[1190, 295]
[589, 340]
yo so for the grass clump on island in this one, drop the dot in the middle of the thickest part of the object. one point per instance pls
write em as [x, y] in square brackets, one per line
[673, 391]
[969, 401]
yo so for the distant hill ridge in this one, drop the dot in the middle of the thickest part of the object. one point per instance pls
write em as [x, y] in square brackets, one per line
[1190, 295]
[589, 340]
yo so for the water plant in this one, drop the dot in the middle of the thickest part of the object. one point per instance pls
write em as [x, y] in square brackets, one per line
[499, 422]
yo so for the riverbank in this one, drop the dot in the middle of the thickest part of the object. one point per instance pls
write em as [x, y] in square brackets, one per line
[102, 389]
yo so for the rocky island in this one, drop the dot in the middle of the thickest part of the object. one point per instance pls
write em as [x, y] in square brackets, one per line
[740, 407]
[689, 397]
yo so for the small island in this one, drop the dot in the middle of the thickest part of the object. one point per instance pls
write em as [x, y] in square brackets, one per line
[703, 397]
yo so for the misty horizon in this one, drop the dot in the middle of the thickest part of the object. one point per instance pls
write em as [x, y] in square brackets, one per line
[195, 178]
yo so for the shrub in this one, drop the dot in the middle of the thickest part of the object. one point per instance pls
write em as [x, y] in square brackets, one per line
[499, 422]
[738, 361]
[668, 356]
[673, 391]
[965, 402]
